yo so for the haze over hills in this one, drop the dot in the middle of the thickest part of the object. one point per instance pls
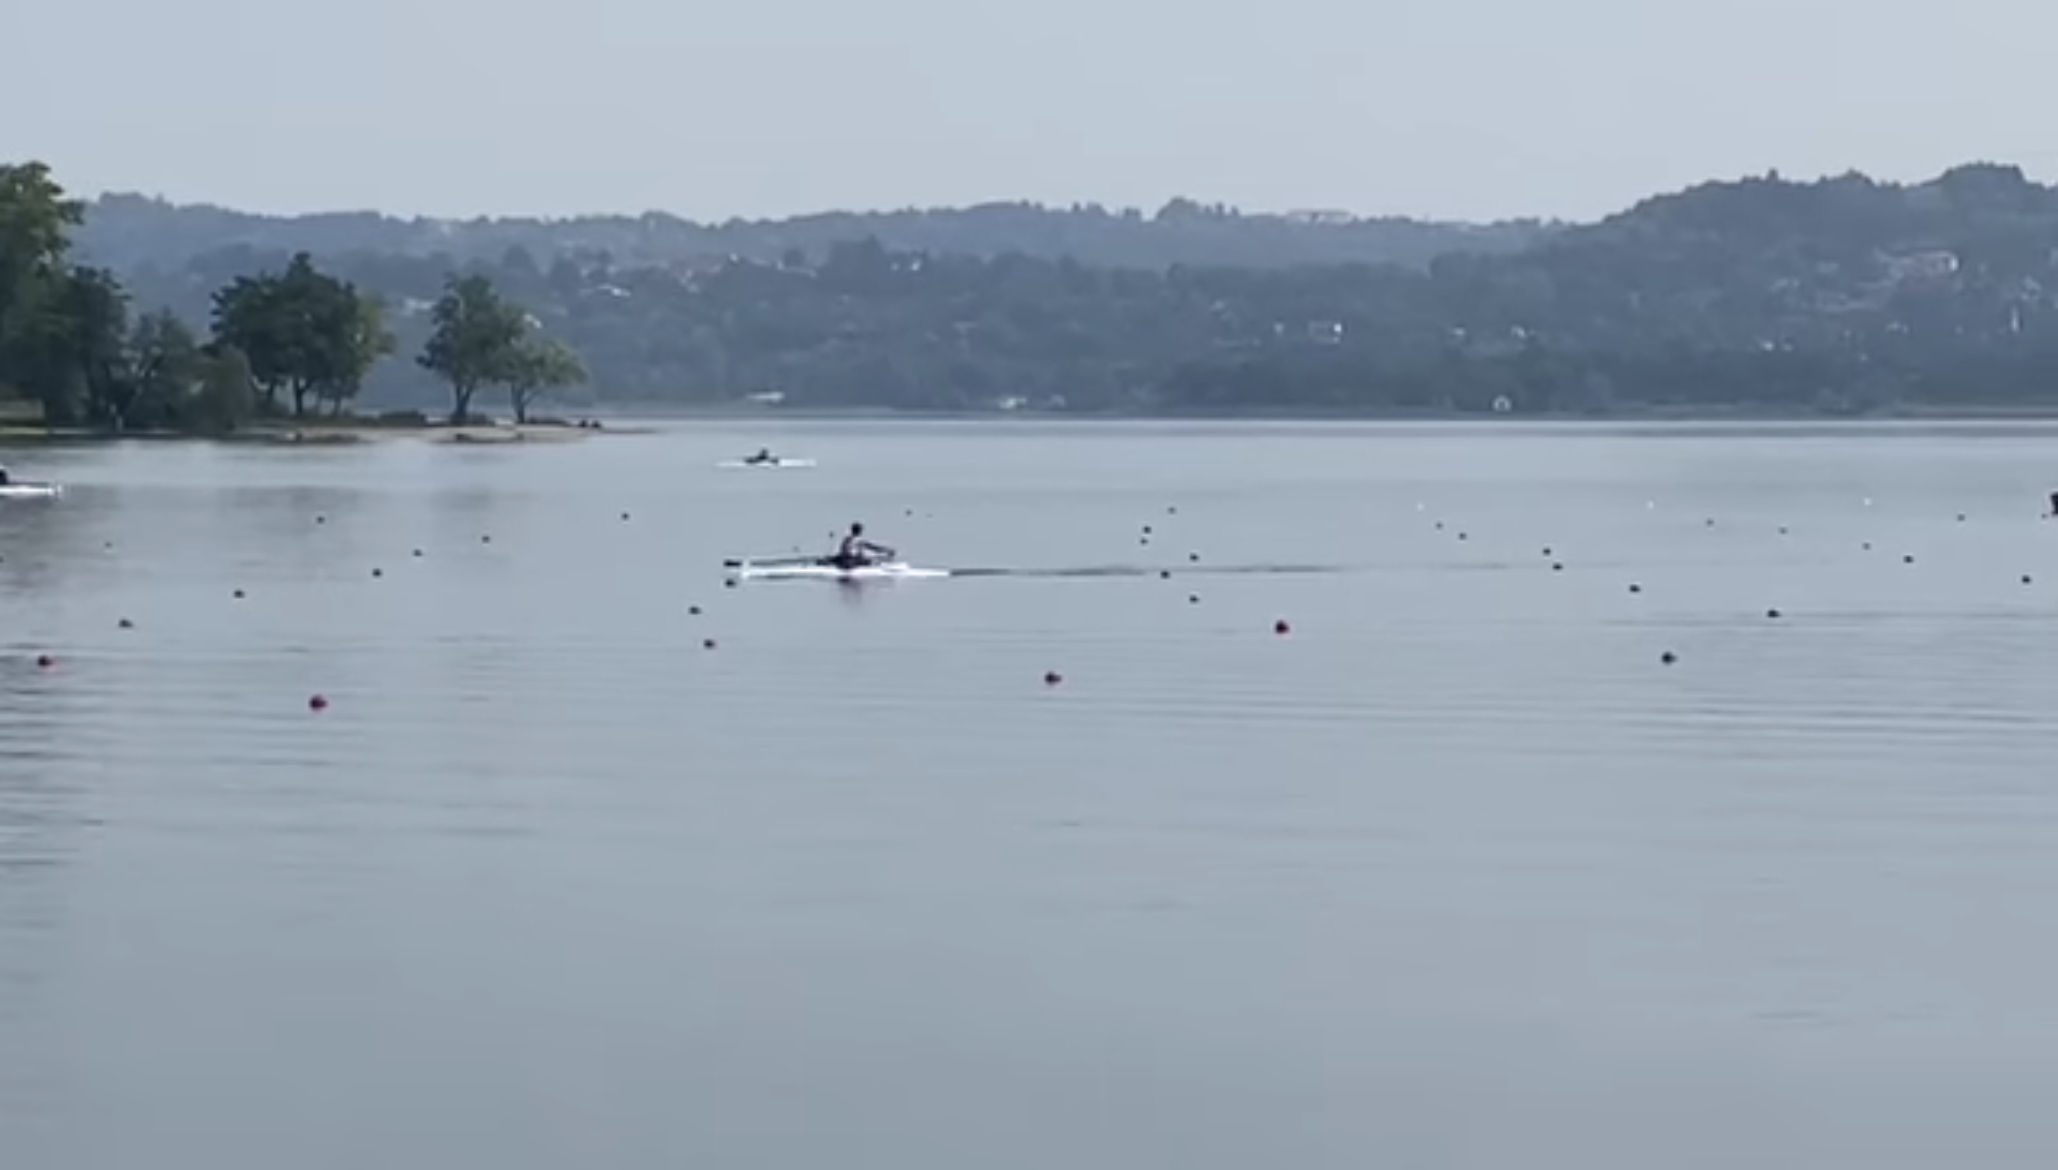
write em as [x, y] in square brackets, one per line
[127, 231]
[1844, 295]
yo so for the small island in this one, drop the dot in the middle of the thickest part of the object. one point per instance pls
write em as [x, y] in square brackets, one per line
[286, 354]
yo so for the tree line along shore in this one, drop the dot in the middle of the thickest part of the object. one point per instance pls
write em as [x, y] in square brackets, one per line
[1762, 297]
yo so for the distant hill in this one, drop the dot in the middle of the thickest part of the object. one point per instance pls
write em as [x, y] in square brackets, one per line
[131, 231]
[1844, 295]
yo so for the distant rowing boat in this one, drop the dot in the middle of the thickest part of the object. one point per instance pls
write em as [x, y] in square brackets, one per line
[30, 491]
[825, 569]
[774, 463]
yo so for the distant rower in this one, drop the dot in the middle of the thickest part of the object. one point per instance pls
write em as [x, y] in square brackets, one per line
[856, 551]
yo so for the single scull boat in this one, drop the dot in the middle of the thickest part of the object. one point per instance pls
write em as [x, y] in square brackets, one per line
[826, 569]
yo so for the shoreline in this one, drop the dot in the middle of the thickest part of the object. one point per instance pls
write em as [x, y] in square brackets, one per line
[628, 420]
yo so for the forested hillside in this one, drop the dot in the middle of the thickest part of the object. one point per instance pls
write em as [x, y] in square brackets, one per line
[1844, 295]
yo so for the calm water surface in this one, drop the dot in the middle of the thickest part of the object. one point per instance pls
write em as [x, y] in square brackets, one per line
[1455, 875]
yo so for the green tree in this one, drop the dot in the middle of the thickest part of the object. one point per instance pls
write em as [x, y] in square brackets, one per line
[366, 342]
[304, 332]
[476, 336]
[36, 220]
[539, 366]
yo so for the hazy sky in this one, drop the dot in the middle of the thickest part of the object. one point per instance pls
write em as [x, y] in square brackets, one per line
[1462, 108]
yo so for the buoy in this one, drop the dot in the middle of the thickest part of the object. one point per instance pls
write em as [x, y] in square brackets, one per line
[1193, 599]
[1710, 522]
[707, 643]
[1439, 526]
[1782, 530]
[729, 584]
[1193, 558]
[2025, 579]
[1164, 574]
[625, 515]
[418, 552]
[239, 595]
[1961, 517]
[1172, 511]
[1557, 567]
[693, 610]
[125, 624]
[1867, 546]
[1281, 627]
[1462, 536]
[1668, 658]
[321, 519]
[485, 540]
[378, 572]
[45, 662]
[1773, 614]
[318, 703]
[1909, 559]
[1052, 678]
[1635, 588]
[1146, 530]
[1547, 550]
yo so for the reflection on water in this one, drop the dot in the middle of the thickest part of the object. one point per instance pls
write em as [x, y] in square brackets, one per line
[1455, 873]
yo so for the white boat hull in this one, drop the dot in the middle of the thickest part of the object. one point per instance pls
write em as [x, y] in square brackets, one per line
[30, 491]
[819, 571]
[767, 465]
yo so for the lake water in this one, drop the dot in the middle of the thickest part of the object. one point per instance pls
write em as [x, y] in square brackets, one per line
[1456, 874]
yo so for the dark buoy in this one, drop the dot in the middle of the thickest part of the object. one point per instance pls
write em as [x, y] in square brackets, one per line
[239, 595]
[1773, 614]
[1782, 530]
[729, 584]
[1193, 599]
[1635, 588]
[1052, 678]
[1462, 536]
[45, 662]
[378, 572]
[1439, 526]
[1164, 574]
[1173, 510]
[1281, 627]
[707, 643]
[126, 624]
[318, 703]
[1193, 558]
[1909, 559]
[1867, 546]
[693, 611]
[321, 519]
[1557, 566]
[417, 552]
[1146, 530]
[485, 540]
[1668, 658]
[1547, 550]
[625, 515]
[1710, 522]
[1961, 517]
[2026, 579]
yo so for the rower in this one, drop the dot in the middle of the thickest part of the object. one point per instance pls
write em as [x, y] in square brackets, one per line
[764, 455]
[856, 551]
[4, 480]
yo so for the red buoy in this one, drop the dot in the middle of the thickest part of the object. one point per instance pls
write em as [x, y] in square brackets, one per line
[318, 703]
